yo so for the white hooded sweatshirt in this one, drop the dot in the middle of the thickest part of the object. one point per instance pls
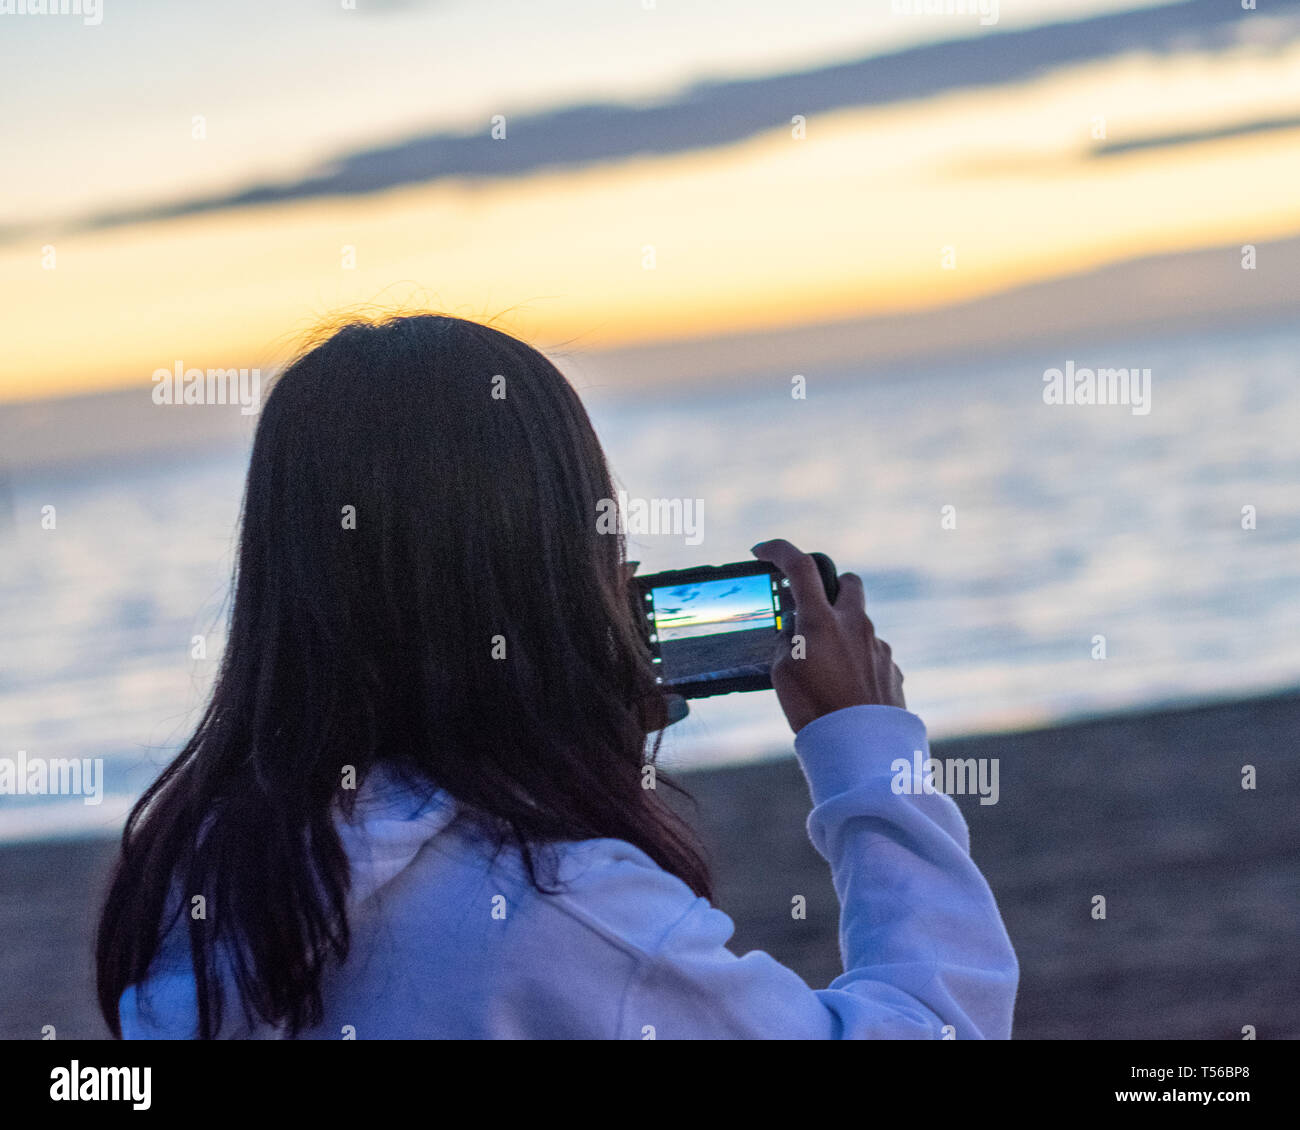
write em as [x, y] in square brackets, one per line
[451, 940]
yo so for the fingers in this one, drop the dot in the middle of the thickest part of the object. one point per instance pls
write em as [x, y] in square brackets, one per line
[805, 581]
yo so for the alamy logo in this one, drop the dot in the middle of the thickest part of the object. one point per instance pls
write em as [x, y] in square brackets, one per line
[102, 1084]
[179, 385]
[59, 776]
[1130, 387]
[956, 776]
[625, 515]
[987, 10]
[90, 11]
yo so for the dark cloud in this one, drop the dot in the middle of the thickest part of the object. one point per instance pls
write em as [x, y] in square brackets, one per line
[718, 113]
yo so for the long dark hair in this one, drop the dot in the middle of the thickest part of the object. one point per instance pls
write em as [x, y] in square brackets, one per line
[422, 494]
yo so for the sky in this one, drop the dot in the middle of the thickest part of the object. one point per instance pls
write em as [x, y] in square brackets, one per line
[286, 84]
[880, 207]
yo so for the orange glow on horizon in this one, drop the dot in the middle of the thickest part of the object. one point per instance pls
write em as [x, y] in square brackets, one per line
[771, 232]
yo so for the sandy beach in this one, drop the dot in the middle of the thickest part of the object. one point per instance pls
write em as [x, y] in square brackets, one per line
[1201, 878]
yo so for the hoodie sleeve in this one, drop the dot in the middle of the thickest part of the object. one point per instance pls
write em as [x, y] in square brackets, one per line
[925, 953]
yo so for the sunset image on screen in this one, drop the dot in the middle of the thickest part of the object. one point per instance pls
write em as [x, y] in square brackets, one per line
[715, 629]
[713, 607]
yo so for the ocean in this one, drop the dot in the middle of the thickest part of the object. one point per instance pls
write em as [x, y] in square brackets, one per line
[1028, 562]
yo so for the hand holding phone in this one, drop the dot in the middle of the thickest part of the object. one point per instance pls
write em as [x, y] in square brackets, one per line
[714, 629]
[718, 629]
[844, 663]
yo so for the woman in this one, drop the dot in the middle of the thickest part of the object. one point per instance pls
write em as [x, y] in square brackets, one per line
[416, 804]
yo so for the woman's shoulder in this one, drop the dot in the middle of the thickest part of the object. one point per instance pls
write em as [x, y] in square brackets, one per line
[435, 857]
[619, 892]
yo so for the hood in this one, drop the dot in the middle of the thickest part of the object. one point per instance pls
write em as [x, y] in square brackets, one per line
[389, 825]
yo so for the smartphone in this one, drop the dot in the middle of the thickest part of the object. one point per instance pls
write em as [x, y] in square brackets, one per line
[713, 629]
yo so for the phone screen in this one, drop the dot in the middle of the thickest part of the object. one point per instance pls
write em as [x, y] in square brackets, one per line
[715, 629]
